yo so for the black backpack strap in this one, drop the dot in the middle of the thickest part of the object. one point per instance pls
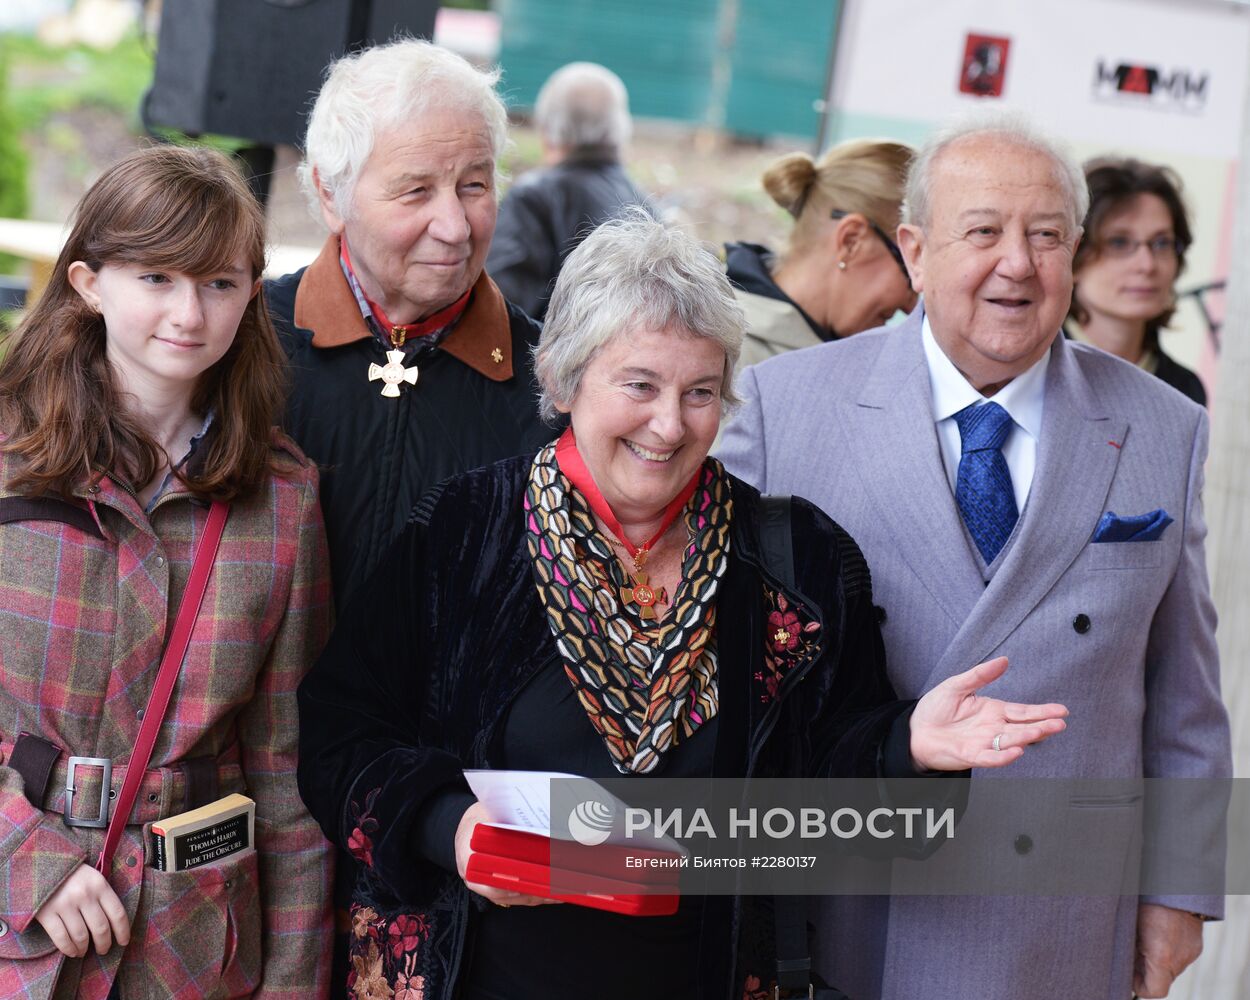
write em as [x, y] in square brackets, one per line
[794, 962]
[776, 545]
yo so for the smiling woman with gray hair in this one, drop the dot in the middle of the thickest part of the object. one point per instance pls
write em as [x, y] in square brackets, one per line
[645, 276]
[615, 605]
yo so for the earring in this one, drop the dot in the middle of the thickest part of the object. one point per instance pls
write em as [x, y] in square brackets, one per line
[841, 265]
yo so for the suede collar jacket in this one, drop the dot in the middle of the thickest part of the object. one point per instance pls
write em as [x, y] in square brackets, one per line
[474, 402]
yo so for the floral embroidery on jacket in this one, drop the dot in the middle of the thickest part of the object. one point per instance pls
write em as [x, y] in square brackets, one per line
[359, 843]
[366, 978]
[385, 954]
[406, 932]
[790, 638]
[364, 922]
[753, 989]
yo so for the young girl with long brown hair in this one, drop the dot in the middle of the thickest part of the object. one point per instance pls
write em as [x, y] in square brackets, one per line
[137, 403]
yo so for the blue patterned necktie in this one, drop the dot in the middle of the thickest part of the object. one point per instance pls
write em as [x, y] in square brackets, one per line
[983, 488]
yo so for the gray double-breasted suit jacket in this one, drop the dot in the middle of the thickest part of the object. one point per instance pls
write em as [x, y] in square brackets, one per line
[849, 425]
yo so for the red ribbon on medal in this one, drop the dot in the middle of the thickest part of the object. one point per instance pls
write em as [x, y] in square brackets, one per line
[399, 333]
[574, 468]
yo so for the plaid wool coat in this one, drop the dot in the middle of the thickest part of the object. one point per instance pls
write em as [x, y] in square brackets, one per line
[85, 609]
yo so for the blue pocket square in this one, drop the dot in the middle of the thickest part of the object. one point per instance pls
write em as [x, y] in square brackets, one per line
[1139, 528]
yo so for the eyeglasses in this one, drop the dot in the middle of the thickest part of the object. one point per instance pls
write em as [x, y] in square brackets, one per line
[1160, 247]
[890, 245]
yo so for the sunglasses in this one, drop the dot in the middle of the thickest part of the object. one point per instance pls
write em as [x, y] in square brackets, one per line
[890, 245]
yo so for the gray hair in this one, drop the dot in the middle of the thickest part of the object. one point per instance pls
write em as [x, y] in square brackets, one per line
[633, 274]
[1010, 127]
[581, 105]
[369, 92]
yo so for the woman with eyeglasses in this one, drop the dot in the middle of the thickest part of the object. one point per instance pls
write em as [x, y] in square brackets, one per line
[841, 272]
[1136, 234]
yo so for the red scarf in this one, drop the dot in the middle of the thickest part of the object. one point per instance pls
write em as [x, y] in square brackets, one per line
[574, 468]
[399, 333]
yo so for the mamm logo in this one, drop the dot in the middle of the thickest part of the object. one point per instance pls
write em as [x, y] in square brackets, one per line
[1151, 86]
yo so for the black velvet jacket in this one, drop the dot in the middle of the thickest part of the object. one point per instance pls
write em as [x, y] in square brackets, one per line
[425, 661]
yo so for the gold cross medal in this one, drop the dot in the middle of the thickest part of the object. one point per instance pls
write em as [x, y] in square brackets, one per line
[644, 595]
[393, 373]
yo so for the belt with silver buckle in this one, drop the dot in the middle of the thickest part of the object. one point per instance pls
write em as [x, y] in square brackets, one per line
[101, 820]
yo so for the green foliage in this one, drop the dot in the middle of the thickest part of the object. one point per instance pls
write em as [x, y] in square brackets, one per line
[47, 80]
[43, 81]
[13, 163]
[222, 143]
[522, 152]
[14, 194]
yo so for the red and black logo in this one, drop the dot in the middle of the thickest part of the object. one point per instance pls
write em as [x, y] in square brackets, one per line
[985, 65]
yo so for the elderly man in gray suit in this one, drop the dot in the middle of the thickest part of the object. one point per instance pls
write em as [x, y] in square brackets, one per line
[977, 457]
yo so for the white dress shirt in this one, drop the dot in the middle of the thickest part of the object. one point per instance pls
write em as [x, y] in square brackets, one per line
[1022, 398]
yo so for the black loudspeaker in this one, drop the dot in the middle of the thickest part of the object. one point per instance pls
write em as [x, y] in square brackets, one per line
[251, 68]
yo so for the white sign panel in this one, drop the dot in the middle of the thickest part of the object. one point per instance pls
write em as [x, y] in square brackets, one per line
[1138, 73]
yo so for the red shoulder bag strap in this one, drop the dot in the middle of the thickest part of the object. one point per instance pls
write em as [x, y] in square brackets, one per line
[166, 675]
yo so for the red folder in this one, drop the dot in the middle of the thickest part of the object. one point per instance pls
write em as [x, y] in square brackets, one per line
[597, 877]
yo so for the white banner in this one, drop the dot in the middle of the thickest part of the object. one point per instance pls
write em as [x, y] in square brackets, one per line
[1168, 76]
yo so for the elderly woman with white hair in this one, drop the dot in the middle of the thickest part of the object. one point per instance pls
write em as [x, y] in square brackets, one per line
[408, 365]
[613, 605]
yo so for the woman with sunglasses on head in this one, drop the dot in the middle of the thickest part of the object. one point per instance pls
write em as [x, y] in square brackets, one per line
[842, 271]
[1136, 235]
[163, 589]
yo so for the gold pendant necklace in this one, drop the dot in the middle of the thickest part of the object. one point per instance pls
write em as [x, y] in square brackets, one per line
[642, 593]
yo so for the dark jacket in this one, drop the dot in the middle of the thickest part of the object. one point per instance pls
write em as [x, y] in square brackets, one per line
[470, 406]
[1180, 378]
[546, 215]
[1170, 371]
[399, 704]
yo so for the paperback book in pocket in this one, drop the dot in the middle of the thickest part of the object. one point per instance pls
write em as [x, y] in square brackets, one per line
[204, 835]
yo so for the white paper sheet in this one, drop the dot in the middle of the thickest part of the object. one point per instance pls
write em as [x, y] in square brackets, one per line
[521, 800]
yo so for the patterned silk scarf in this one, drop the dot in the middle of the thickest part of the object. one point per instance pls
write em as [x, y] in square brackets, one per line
[646, 686]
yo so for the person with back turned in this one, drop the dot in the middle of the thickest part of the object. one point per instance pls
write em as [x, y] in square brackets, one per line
[582, 116]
